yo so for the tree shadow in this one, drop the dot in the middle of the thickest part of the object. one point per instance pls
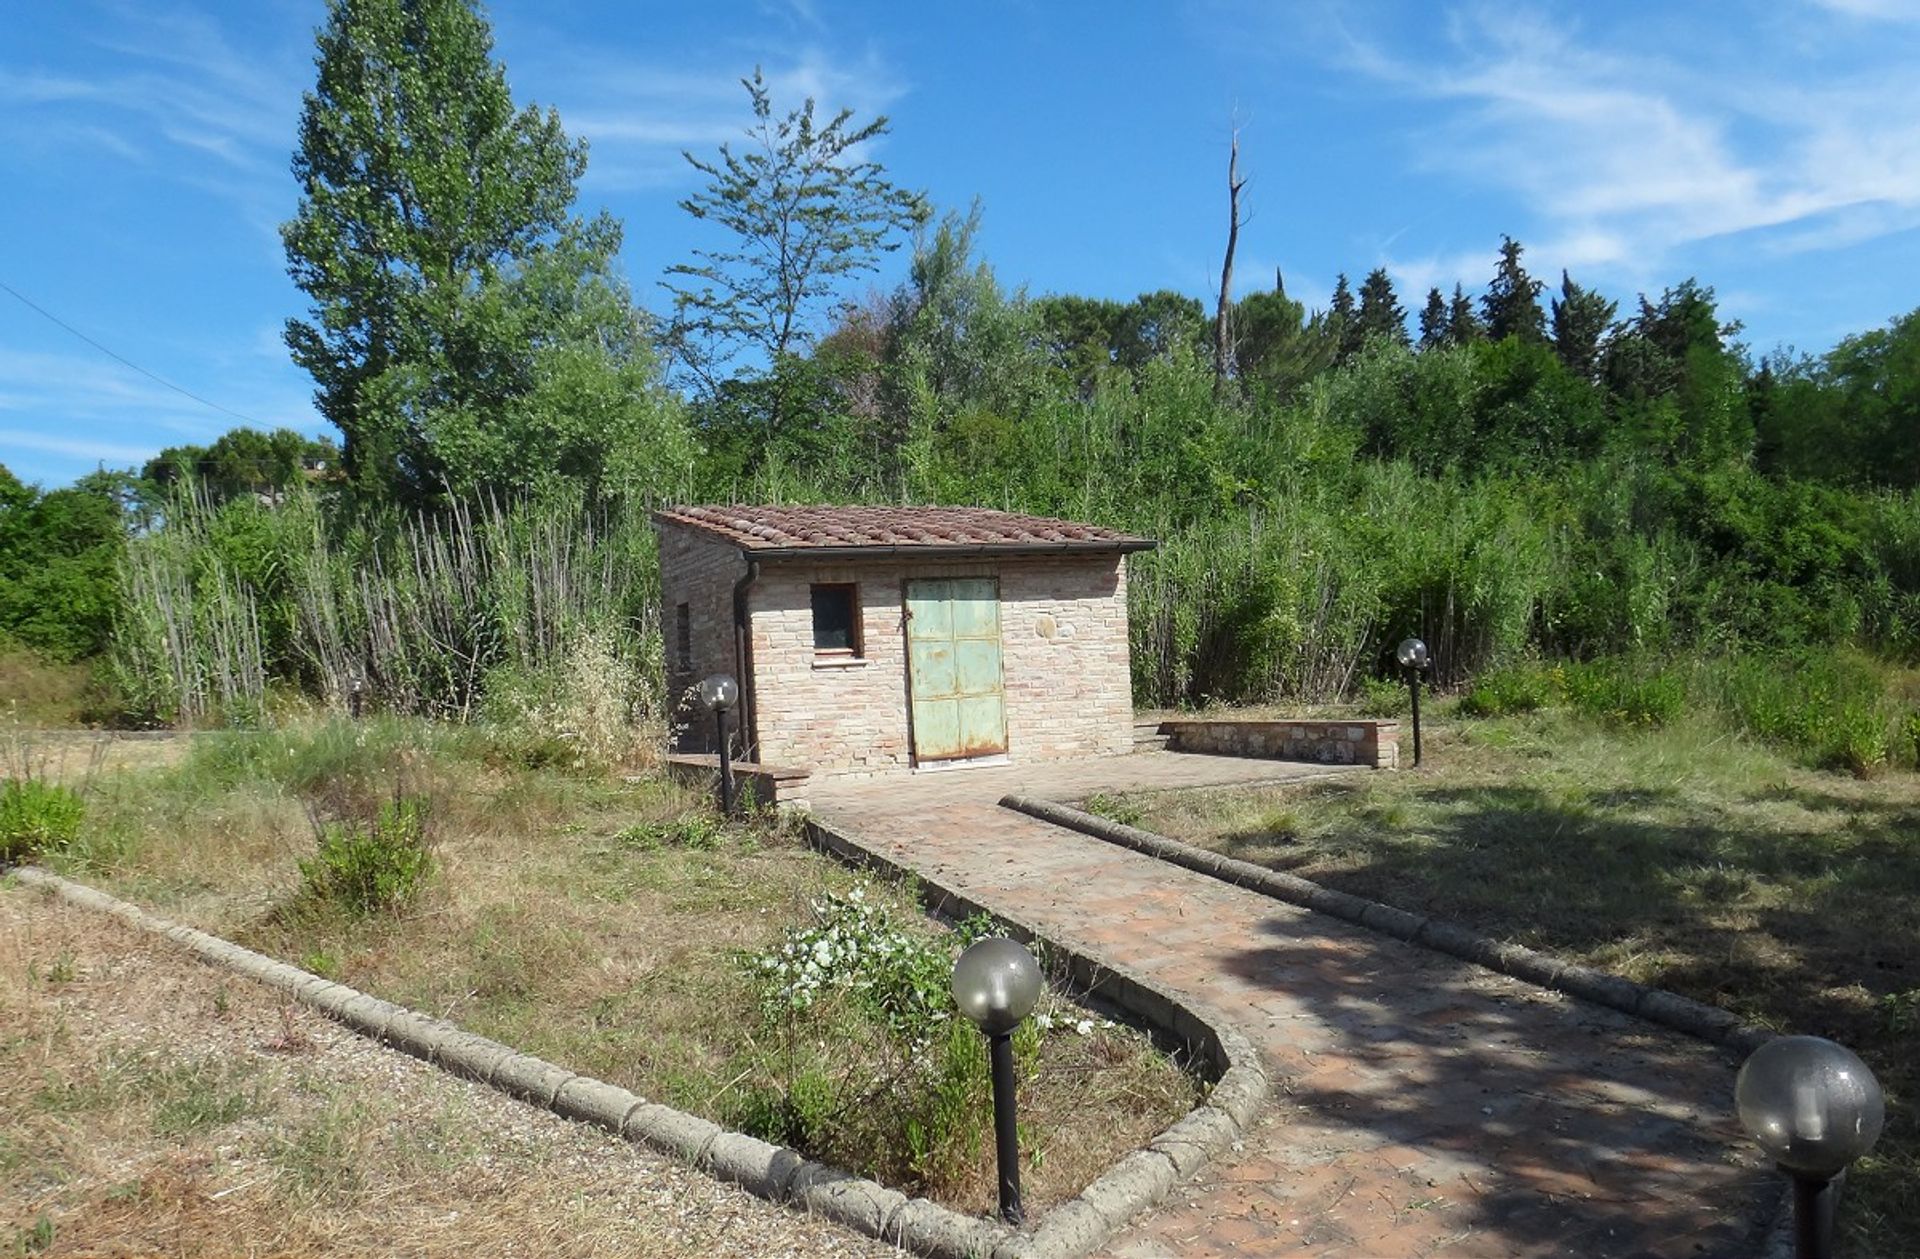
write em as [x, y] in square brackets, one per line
[1489, 1118]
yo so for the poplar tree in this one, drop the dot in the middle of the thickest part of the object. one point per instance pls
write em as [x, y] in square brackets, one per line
[467, 330]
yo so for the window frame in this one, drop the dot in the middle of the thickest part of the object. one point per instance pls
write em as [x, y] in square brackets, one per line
[856, 650]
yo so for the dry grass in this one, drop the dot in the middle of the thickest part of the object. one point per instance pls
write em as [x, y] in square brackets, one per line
[153, 1105]
[1684, 858]
[554, 923]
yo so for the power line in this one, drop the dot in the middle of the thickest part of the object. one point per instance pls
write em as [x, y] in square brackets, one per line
[122, 359]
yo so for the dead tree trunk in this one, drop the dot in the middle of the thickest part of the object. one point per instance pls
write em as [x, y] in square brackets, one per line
[1222, 334]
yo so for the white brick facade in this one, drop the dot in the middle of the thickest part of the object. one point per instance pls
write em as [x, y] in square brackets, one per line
[1063, 628]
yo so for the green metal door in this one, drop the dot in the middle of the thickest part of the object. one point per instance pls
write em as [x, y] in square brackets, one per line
[953, 668]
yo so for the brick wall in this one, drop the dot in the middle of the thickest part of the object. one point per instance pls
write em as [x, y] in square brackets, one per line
[1375, 743]
[700, 574]
[1063, 630]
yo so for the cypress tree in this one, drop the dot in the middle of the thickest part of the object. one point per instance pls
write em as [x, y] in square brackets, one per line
[1381, 314]
[1581, 318]
[1463, 325]
[1433, 321]
[1512, 301]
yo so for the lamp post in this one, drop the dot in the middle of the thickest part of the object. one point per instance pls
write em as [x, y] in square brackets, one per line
[1412, 655]
[1815, 1108]
[996, 983]
[720, 692]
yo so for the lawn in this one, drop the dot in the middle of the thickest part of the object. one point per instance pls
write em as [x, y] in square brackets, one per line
[1685, 857]
[611, 923]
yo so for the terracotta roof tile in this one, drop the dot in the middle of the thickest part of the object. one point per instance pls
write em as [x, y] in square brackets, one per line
[782, 529]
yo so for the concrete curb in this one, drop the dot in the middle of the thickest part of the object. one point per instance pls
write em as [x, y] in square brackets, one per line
[768, 1171]
[1141, 1179]
[1656, 1005]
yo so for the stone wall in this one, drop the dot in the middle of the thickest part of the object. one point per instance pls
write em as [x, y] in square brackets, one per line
[1375, 743]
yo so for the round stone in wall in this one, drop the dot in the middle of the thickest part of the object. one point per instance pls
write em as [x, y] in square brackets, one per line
[1045, 626]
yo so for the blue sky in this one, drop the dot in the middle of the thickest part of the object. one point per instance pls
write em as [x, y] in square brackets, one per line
[1771, 149]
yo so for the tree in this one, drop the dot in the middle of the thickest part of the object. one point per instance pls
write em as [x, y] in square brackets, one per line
[805, 211]
[461, 314]
[1433, 321]
[1463, 326]
[1581, 318]
[1381, 314]
[1222, 333]
[1512, 301]
[1344, 319]
[1277, 346]
[59, 563]
[243, 461]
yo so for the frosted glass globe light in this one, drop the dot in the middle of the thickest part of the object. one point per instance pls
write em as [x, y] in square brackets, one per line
[719, 692]
[1411, 653]
[1812, 1105]
[996, 983]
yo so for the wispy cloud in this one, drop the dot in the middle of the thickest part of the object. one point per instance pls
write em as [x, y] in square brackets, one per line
[115, 453]
[1620, 155]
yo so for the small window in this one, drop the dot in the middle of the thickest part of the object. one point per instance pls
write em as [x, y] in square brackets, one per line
[683, 637]
[836, 620]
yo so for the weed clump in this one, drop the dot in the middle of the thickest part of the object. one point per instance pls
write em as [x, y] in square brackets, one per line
[366, 869]
[37, 816]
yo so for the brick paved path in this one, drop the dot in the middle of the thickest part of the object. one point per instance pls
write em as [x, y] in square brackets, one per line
[1422, 1106]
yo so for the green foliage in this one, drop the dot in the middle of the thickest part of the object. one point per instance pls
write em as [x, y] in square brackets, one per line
[1834, 709]
[59, 550]
[1511, 306]
[1624, 692]
[1114, 808]
[462, 316]
[1517, 688]
[37, 816]
[243, 461]
[700, 831]
[361, 870]
[804, 211]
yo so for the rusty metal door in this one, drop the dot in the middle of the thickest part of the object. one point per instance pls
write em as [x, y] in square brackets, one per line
[953, 668]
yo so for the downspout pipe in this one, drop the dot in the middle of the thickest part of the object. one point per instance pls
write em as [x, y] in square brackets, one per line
[743, 660]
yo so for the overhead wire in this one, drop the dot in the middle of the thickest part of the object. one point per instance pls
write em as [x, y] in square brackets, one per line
[121, 358]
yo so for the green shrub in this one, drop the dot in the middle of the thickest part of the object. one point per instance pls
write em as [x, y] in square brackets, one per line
[1114, 808]
[699, 831]
[1835, 709]
[1384, 697]
[37, 816]
[1619, 692]
[362, 870]
[1517, 688]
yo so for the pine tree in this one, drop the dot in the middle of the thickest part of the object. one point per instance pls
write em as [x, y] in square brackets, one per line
[1433, 321]
[1581, 318]
[1381, 314]
[1512, 300]
[461, 316]
[1463, 325]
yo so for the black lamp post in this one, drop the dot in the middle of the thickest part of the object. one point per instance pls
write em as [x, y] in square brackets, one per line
[1815, 1108]
[720, 692]
[996, 983]
[1412, 655]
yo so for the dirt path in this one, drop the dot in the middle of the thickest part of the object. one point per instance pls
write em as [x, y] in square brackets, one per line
[150, 1104]
[1423, 1106]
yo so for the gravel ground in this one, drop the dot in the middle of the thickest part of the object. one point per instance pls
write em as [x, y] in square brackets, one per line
[150, 1103]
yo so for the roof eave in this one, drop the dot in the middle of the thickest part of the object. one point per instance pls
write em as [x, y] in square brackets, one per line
[941, 551]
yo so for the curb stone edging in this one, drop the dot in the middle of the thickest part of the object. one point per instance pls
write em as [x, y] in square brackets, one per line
[776, 1173]
[1655, 1005]
[1140, 1179]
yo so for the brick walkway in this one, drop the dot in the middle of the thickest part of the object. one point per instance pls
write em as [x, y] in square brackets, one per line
[1422, 1106]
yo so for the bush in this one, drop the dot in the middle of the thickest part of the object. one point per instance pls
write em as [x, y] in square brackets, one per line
[36, 817]
[364, 870]
[1621, 693]
[1519, 688]
[1836, 709]
[1384, 697]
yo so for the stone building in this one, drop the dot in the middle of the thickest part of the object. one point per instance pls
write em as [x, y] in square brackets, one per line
[869, 639]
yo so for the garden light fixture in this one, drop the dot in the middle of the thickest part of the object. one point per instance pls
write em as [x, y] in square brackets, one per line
[1815, 1108]
[996, 983]
[720, 693]
[1412, 655]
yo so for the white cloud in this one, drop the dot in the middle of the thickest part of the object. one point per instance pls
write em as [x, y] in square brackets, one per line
[1620, 156]
[80, 448]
